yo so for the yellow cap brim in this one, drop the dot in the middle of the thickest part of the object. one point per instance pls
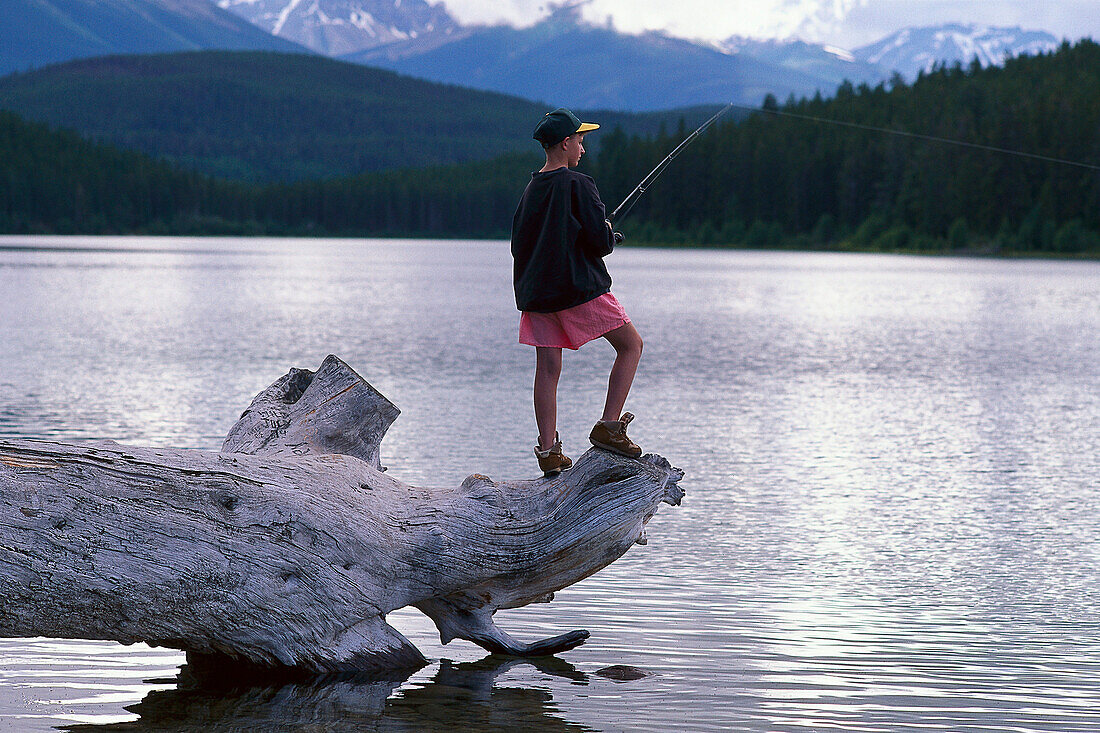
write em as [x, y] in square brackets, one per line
[587, 127]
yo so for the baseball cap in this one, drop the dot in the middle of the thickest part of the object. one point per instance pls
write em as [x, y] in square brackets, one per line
[557, 125]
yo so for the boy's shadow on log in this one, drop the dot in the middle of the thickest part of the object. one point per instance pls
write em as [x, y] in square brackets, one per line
[461, 696]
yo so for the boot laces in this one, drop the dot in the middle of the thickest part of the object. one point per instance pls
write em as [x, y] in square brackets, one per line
[555, 448]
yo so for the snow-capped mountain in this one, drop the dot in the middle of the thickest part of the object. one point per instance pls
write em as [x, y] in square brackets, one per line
[913, 50]
[606, 69]
[824, 62]
[336, 27]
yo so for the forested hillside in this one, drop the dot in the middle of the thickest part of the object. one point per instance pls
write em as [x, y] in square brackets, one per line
[265, 116]
[281, 117]
[774, 180]
[55, 182]
[781, 177]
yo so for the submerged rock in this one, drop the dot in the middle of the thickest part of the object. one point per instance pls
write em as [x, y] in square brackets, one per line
[622, 673]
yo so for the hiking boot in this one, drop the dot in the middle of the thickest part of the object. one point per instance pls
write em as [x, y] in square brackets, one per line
[612, 436]
[552, 461]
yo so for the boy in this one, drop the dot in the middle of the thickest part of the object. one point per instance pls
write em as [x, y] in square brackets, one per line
[560, 235]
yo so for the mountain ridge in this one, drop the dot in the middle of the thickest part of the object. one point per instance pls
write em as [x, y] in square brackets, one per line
[653, 70]
[37, 33]
[911, 51]
[633, 72]
[644, 72]
[337, 27]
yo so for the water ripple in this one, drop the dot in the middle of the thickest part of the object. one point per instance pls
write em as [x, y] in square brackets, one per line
[892, 517]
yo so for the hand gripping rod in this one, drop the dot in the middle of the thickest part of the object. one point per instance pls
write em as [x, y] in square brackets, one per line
[628, 203]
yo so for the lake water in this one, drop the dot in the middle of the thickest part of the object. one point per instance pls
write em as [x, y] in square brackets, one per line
[892, 517]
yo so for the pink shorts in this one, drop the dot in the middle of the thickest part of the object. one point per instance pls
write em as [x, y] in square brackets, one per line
[572, 327]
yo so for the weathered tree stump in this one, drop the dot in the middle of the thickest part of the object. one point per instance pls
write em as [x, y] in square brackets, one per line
[289, 547]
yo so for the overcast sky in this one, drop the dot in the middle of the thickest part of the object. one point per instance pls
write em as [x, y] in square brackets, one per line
[844, 23]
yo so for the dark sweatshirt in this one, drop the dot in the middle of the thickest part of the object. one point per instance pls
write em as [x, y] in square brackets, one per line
[559, 240]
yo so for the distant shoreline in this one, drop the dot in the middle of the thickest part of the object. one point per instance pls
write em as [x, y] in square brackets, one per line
[985, 251]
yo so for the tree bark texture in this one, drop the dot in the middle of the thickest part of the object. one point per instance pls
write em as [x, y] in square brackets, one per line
[289, 546]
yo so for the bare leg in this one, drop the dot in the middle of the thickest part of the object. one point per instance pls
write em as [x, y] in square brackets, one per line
[628, 352]
[547, 371]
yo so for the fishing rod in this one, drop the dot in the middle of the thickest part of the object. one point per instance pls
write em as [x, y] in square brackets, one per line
[628, 203]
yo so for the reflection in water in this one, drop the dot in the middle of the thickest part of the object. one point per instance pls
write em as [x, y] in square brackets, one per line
[460, 696]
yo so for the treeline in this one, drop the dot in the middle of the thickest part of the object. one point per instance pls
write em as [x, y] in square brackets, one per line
[781, 178]
[776, 179]
[56, 182]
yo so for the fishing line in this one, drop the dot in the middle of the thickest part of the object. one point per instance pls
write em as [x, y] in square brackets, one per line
[919, 136]
[628, 203]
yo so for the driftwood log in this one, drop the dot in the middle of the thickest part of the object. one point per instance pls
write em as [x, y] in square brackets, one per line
[288, 547]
